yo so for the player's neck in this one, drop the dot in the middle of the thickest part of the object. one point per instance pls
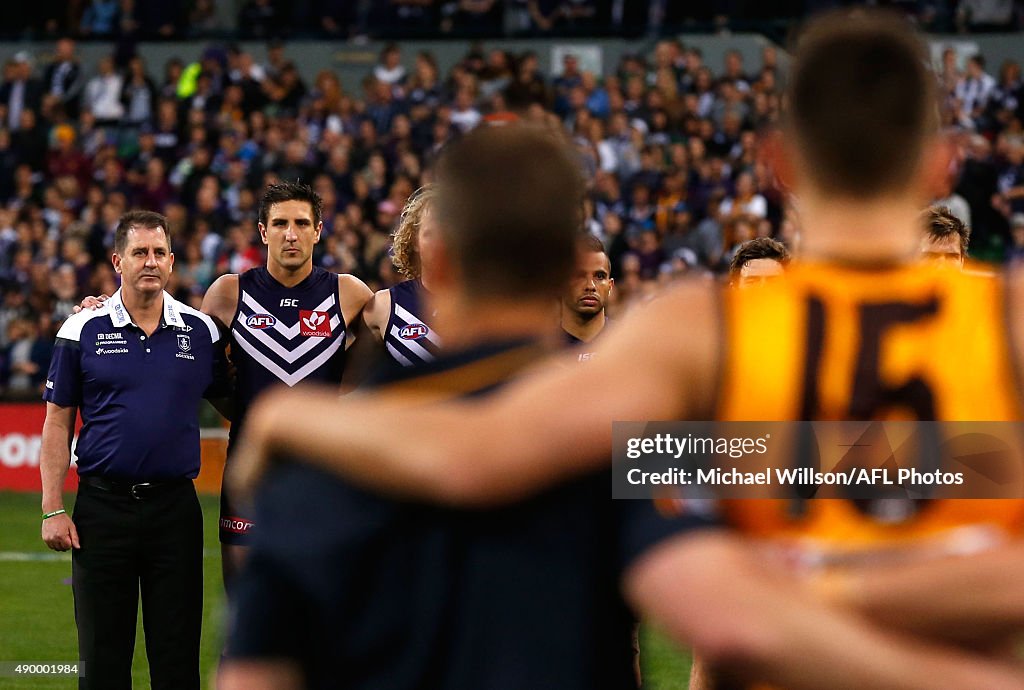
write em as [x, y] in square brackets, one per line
[882, 231]
[288, 277]
[583, 327]
[426, 280]
[465, 323]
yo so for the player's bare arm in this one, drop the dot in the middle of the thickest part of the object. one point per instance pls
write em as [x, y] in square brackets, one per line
[220, 303]
[58, 531]
[353, 296]
[764, 625]
[376, 313]
[369, 345]
[974, 600]
[522, 439]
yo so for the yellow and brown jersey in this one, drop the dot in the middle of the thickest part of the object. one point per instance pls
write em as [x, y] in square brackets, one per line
[832, 342]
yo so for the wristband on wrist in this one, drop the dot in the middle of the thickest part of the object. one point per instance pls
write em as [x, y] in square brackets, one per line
[54, 513]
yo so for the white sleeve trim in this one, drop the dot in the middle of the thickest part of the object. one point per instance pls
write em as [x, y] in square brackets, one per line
[210, 323]
[72, 328]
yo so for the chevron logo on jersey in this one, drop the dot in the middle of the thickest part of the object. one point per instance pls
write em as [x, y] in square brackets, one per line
[286, 351]
[314, 323]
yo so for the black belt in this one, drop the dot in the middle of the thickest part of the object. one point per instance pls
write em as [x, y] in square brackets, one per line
[137, 490]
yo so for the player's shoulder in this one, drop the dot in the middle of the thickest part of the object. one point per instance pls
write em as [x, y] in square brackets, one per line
[352, 291]
[227, 283]
[349, 283]
[76, 323]
[221, 298]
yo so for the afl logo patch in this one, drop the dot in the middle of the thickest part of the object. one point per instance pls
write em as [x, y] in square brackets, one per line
[260, 321]
[414, 331]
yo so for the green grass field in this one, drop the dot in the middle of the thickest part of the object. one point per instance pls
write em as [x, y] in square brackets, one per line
[37, 620]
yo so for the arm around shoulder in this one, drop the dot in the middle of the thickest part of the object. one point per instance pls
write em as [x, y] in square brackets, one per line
[221, 300]
[352, 297]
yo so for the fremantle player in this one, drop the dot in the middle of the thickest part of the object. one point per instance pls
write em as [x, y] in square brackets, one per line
[584, 303]
[397, 316]
[289, 323]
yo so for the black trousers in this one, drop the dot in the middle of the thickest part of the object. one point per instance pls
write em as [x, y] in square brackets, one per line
[151, 545]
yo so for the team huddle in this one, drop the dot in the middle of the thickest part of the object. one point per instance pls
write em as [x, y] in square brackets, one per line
[448, 523]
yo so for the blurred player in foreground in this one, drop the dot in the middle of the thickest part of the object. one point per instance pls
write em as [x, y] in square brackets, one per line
[851, 333]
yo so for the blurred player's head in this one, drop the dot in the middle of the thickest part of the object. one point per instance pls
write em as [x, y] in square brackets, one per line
[861, 109]
[290, 222]
[591, 282]
[416, 225]
[946, 237]
[757, 262]
[508, 211]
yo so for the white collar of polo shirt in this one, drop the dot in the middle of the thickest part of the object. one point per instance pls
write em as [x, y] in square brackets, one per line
[120, 316]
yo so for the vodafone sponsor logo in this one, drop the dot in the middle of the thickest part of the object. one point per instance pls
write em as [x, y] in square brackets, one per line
[235, 525]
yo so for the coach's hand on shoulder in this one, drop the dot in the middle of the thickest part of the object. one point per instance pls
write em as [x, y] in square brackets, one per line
[59, 533]
[90, 302]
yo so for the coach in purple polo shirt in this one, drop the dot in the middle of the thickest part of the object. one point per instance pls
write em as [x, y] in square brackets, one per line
[136, 368]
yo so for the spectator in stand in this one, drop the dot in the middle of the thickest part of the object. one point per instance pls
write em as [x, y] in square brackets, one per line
[20, 90]
[25, 360]
[1011, 179]
[389, 69]
[63, 82]
[746, 201]
[465, 115]
[103, 94]
[138, 95]
[704, 240]
[973, 91]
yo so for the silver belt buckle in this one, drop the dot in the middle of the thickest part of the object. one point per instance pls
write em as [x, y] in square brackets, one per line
[136, 487]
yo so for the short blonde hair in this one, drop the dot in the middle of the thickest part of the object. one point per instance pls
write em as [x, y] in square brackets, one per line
[405, 251]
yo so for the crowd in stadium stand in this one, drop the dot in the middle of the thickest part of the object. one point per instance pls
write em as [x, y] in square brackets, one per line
[347, 19]
[669, 148]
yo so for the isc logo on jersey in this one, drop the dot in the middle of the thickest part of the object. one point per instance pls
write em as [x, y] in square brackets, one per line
[260, 321]
[414, 331]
